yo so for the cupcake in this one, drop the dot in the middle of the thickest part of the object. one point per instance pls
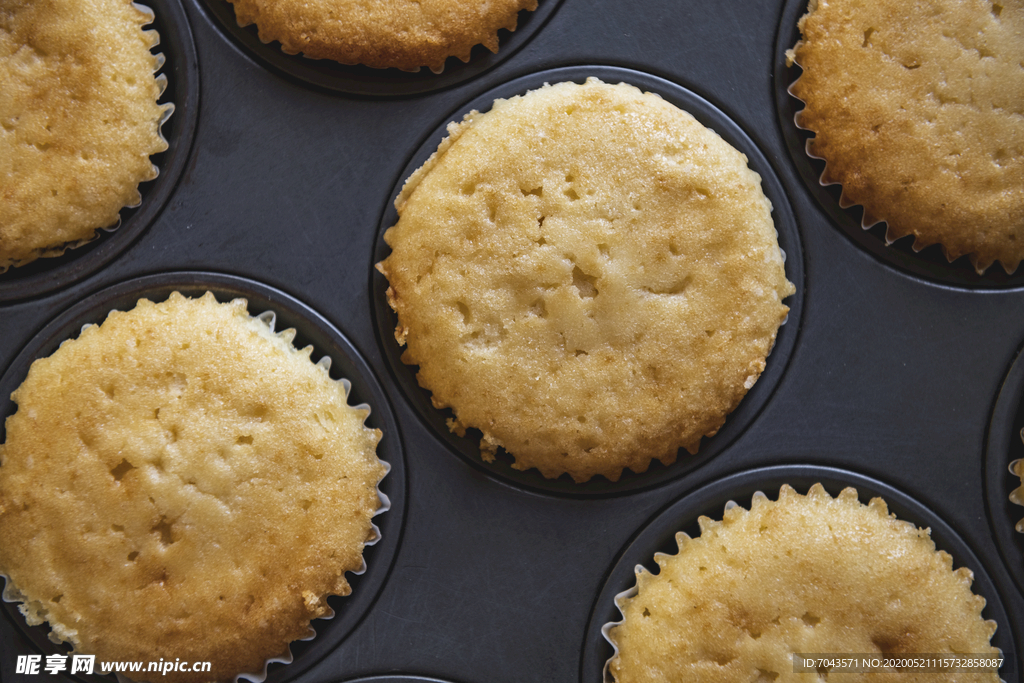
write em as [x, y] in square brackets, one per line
[181, 482]
[803, 574]
[388, 33]
[918, 111]
[1017, 495]
[79, 120]
[588, 276]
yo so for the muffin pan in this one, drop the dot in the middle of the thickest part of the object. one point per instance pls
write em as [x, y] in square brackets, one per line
[897, 373]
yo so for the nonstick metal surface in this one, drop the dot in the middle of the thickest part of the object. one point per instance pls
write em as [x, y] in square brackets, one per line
[896, 373]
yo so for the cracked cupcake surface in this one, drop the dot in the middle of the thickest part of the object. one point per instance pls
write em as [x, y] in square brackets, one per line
[402, 34]
[806, 574]
[180, 482]
[79, 120]
[918, 111]
[588, 276]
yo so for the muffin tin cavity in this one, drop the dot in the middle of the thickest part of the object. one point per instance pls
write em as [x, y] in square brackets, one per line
[181, 70]
[1003, 450]
[930, 263]
[658, 535]
[468, 447]
[365, 81]
[346, 363]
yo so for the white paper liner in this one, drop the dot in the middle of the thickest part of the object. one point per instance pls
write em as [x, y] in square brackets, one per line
[622, 598]
[167, 109]
[868, 220]
[11, 594]
[626, 595]
[269, 318]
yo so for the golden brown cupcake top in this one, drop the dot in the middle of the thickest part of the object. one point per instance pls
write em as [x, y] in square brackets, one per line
[804, 574]
[382, 33]
[78, 120]
[918, 110]
[587, 275]
[180, 482]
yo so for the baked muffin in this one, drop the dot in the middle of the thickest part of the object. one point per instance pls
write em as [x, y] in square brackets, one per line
[79, 120]
[382, 33]
[1017, 495]
[804, 574]
[918, 110]
[180, 482]
[587, 275]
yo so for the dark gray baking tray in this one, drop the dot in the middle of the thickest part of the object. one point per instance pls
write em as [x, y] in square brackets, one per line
[897, 372]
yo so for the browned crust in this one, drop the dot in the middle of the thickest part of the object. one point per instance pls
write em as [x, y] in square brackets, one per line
[404, 34]
[79, 120]
[920, 117]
